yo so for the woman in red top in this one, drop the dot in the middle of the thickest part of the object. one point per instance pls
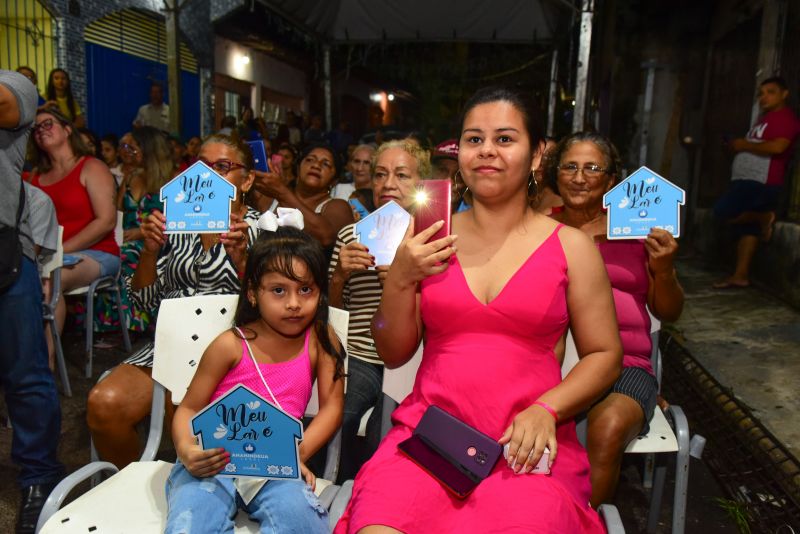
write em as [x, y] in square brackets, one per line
[82, 190]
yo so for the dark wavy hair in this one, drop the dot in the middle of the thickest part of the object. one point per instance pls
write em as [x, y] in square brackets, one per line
[273, 252]
[613, 163]
[51, 91]
[522, 101]
[526, 106]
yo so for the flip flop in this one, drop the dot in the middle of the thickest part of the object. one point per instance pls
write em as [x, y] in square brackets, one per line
[730, 285]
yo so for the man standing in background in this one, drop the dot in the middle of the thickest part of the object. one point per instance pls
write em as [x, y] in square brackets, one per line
[156, 113]
[757, 177]
[30, 391]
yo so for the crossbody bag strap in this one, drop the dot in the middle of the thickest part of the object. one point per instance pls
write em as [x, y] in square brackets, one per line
[21, 202]
[258, 369]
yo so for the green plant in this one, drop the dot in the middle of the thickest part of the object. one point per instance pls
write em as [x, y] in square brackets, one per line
[737, 511]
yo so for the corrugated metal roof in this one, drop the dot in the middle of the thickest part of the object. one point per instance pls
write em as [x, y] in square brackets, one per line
[139, 34]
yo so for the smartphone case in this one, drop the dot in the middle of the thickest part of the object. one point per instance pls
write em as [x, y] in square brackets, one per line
[453, 452]
[436, 207]
[260, 159]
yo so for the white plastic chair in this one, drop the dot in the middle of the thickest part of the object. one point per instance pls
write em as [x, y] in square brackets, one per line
[133, 499]
[51, 269]
[661, 439]
[109, 284]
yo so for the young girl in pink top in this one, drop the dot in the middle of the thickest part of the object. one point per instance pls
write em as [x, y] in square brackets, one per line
[281, 325]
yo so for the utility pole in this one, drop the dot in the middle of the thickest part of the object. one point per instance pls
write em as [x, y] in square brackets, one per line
[582, 71]
[172, 8]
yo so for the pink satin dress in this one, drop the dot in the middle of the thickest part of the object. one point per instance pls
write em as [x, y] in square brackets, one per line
[483, 363]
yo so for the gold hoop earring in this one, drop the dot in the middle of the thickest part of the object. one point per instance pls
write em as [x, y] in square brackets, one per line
[460, 177]
[535, 184]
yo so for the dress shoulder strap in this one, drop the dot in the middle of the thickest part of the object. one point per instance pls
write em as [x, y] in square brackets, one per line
[322, 205]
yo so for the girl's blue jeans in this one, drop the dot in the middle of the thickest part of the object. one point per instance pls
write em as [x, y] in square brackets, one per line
[210, 505]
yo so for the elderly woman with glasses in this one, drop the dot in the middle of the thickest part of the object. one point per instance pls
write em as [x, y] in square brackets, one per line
[82, 190]
[173, 266]
[582, 168]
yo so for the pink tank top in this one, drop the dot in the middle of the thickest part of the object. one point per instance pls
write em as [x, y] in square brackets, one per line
[626, 264]
[289, 381]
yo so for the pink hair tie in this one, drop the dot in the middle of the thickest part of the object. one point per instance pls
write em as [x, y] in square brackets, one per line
[549, 409]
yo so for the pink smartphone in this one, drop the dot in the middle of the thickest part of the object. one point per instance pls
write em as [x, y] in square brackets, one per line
[432, 204]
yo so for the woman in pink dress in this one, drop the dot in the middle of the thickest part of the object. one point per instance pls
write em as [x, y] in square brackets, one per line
[491, 314]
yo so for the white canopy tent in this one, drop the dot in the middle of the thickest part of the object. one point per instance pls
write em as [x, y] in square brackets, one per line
[501, 21]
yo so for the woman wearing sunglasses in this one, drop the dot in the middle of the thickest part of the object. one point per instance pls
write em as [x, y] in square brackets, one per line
[137, 197]
[172, 266]
[82, 190]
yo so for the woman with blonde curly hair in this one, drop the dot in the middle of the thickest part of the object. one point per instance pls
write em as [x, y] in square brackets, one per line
[398, 167]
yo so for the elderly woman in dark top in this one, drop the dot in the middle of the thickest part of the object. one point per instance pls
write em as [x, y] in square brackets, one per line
[318, 171]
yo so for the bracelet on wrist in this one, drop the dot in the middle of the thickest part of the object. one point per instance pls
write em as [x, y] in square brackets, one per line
[549, 409]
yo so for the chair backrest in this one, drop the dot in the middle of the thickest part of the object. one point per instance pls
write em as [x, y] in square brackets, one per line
[186, 326]
[118, 229]
[184, 329]
[56, 259]
[398, 383]
[340, 321]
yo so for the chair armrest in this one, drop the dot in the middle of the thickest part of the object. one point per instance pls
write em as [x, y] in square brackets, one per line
[611, 518]
[328, 494]
[340, 502]
[156, 423]
[60, 492]
[333, 457]
[681, 426]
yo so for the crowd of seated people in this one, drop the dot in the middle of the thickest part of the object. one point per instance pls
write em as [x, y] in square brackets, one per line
[525, 260]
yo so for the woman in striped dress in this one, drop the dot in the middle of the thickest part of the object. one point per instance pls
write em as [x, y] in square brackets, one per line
[172, 266]
[397, 168]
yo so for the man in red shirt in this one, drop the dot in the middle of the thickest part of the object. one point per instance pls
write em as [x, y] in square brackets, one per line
[757, 175]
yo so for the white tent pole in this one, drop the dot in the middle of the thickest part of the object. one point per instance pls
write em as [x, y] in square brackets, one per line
[551, 101]
[326, 73]
[582, 71]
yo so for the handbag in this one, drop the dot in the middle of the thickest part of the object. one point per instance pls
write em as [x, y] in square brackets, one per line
[451, 451]
[11, 258]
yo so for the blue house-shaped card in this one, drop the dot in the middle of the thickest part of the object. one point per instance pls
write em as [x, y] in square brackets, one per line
[198, 200]
[261, 438]
[642, 201]
[383, 230]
